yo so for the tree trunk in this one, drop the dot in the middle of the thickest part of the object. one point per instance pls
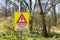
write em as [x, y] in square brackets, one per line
[31, 23]
[54, 12]
[31, 20]
[44, 33]
[6, 10]
[30, 4]
[55, 17]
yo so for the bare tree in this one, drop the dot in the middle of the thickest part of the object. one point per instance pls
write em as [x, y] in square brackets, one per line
[6, 14]
[43, 13]
[53, 4]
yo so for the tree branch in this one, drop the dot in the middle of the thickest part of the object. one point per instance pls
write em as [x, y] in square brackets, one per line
[48, 9]
[26, 4]
[46, 5]
[39, 2]
[30, 4]
[14, 4]
[35, 4]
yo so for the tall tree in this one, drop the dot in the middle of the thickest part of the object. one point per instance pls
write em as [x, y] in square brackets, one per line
[6, 14]
[31, 21]
[43, 15]
[53, 3]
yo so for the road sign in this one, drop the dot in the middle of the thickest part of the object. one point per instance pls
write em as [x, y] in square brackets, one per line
[21, 21]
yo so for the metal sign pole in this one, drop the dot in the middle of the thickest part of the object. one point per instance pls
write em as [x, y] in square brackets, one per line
[21, 35]
[21, 31]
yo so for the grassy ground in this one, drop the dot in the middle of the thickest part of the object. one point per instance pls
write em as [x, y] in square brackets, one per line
[27, 36]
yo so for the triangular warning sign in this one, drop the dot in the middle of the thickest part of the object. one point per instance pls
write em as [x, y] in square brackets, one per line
[21, 19]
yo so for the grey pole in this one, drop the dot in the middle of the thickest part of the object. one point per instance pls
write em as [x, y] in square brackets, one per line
[21, 35]
[21, 31]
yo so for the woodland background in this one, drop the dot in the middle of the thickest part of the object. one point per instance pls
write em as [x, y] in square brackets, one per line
[44, 19]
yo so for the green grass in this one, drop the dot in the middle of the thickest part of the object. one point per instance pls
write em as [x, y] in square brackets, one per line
[26, 36]
[30, 38]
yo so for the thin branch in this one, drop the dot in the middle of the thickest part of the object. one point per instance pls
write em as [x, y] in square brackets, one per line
[35, 4]
[48, 9]
[39, 2]
[26, 4]
[30, 4]
[46, 5]
[14, 4]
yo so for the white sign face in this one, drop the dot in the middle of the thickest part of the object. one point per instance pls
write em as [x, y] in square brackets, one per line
[21, 27]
